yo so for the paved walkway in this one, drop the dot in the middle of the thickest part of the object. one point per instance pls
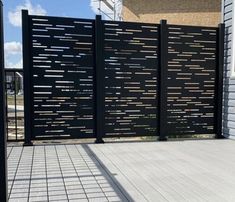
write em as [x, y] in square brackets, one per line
[146, 171]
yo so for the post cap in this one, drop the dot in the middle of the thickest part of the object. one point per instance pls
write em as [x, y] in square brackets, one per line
[163, 21]
[98, 17]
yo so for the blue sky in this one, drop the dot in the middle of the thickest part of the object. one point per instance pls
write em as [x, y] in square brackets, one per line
[12, 22]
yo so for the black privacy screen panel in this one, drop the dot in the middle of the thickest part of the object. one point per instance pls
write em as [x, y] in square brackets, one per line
[131, 63]
[191, 80]
[62, 68]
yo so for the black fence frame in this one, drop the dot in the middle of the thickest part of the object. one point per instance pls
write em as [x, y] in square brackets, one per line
[99, 95]
[3, 149]
[27, 81]
[219, 80]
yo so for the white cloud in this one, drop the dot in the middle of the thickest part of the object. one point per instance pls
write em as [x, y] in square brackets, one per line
[12, 48]
[15, 15]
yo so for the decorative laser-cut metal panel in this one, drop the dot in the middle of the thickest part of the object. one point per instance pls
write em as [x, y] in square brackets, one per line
[62, 68]
[191, 80]
[131, 63]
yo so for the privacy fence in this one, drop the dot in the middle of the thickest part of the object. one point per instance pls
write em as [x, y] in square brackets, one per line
[96, 78]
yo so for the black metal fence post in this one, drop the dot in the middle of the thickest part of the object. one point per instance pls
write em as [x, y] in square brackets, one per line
[27, 78]
[3, 148]
[162, 78]
[99, 81]
[219, 81]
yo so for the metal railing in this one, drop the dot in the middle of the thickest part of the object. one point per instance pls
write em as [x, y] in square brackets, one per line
[3, 144]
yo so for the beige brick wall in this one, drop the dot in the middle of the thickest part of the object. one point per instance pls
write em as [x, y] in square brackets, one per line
[185, 12]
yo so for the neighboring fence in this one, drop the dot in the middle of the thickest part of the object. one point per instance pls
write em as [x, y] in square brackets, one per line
[14, 104]
[94, 78]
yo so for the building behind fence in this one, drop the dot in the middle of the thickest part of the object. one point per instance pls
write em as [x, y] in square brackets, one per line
[190, 12]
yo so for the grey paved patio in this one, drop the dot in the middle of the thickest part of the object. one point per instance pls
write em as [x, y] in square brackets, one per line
[146, 171]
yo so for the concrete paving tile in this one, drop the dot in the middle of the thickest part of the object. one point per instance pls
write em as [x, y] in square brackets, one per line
[95, 195]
